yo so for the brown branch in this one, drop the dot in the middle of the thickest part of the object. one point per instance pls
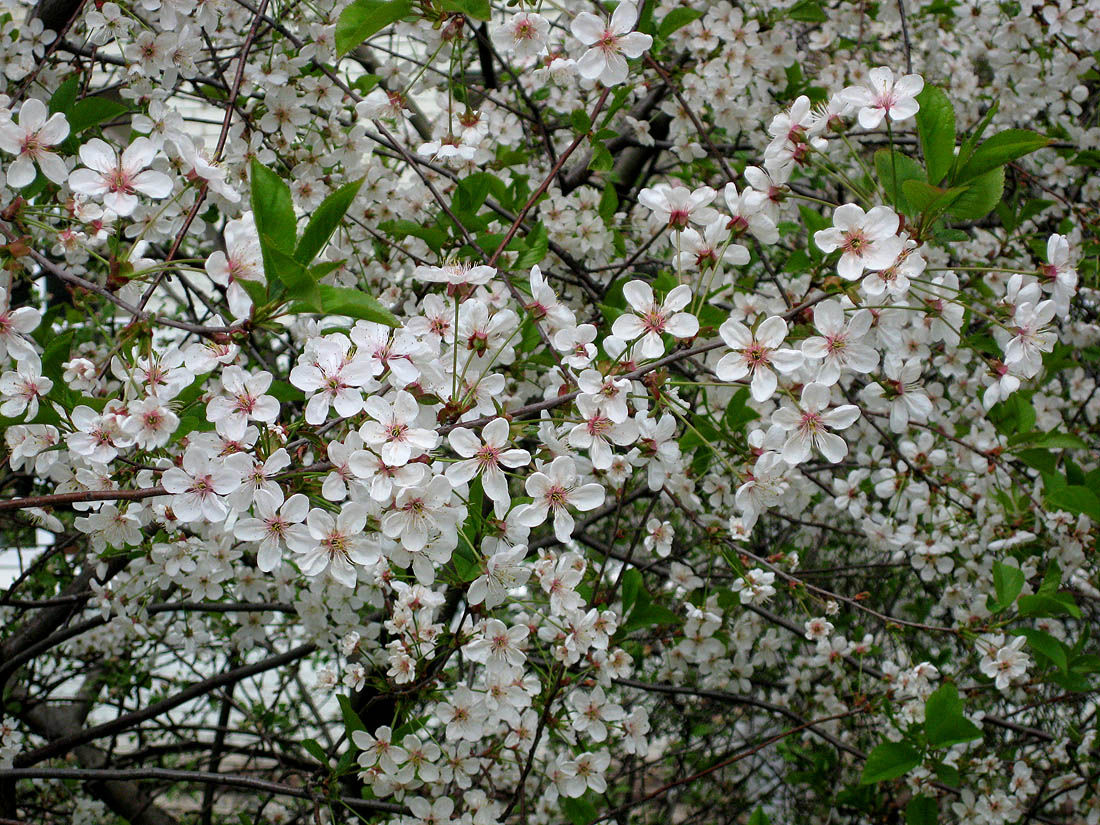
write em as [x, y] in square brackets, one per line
[168, 775]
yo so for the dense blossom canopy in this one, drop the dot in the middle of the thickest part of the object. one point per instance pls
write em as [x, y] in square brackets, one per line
[455, 411]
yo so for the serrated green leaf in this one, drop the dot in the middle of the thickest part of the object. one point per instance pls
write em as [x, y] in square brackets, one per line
[1043, 643]
[921, 810]
[91, 111]
[1008, 581]
[364, 19]
[971, 141]
[301, 285]
[889, 761]
[676, 19]
[353, 303]
[1075, 499]
[324, 221]
[477, 9]
[925, 198]
[352, 722]
[632, 586]
[1004, 147]
[538, 245]
[889, 164]
[936, 127]
[273, 207]
[808, 11]
[314, 749]
[1048, 606]
[982, 194]
[64, 98]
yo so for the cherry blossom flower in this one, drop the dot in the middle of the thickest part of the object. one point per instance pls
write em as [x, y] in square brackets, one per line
[900, 393]
[29, 140]
[486, 458]
[276, 522]
[504, 571]
[118, 181]
[1059, 273]
[809, 426]
[15, 325]
[676, 206]
[22, 387]
[243, 401]
[611, 43]
[337, 544]
[150, 423]
[859, 236]
[839, 345]
[556, 490]
[392, 431]
[456, 274]
[334, 378]
[523, 35]
[747, 213]
[651, 320]
[757, 354]
[1001, 662]
[199, 487]
[597, 432]
[498, 645]
[883, 97]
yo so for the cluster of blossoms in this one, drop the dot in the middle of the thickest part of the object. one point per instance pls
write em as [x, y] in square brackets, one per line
[586, 417]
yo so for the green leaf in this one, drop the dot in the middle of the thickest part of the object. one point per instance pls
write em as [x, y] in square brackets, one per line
[538, 244]
[477, 9]
[300, 283]
[953, 730]
[324, 221]
[944, 723]
[759, 818]
[982, 194]
[580, 811]
[1043, 643]
[64, 98]
[91, 111]
[1048, 606]
[1008, 581]
[55, 354]
[431, 235]
[886, 163]
[1056, 441]
[609, 203]
[676, 20]
[632, 586]
[808, 11]
[313, 747]
[936, 127]
[352, 722]
[1075, 499]
[354, 303]
[968, 145]
[921, 810]
[889, 761]
[927, 199]
[273, 208]
[948, 774]
[1004, 147]
[581, 122]
[365, 18]
[943, 703]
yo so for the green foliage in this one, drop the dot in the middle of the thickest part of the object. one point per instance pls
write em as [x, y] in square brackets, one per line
[889, 760]
[944, 723]
[365, 18]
